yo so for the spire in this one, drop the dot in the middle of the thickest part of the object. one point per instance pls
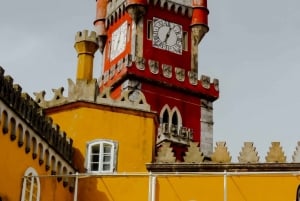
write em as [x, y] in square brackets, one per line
[86, 45]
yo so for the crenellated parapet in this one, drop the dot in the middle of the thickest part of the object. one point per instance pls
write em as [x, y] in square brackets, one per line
[165, 154]
[172, 3]
[86, 44]
[116, 8]
[296, 156]
[29, 110]
[153, 70]
[276, 154]
[89, 92]
[221, 154]
[248, 154]
[85, 35]
[193, 154]
[23, 122]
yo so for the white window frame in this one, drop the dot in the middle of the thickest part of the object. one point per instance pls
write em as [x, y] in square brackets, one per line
[101, 163]
[32, 177]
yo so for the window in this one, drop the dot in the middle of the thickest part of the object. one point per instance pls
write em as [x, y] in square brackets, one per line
[170, 120]
[185, 41]
[174, 124]
[101, 156]
[165, 118]
[149, 29]
[31, 186]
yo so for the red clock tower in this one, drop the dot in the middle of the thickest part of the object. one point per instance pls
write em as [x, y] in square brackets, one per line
[152, 46]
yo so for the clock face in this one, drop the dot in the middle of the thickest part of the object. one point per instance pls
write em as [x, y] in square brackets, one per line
[167, 35]
[119, 40]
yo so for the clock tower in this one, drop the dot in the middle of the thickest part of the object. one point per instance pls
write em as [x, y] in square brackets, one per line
[152, 46]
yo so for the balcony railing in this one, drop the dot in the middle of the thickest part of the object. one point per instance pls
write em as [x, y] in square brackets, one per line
[174, 133]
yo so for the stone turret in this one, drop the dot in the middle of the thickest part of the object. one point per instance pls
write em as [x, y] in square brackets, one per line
[136, 8]
[99, 23]
[199, 27]
[86, 45]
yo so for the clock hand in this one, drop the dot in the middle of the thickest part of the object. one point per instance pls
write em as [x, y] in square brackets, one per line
[118, 41]
[168, 34]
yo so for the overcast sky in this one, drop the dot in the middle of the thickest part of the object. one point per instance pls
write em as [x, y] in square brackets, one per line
[252, 47]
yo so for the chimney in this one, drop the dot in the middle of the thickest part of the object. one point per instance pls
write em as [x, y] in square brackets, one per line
[86, 45]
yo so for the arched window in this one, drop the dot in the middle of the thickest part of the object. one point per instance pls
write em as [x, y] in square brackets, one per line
[176, 121]
[165, 118]
[31, 186]
[165, 114]
[4, 122]
[101, 156]
[175, 118]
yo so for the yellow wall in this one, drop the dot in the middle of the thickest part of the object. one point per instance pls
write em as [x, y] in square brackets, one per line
[134, 133]
[192, 188]
[14, 163]
[108, 188]
[211, 188]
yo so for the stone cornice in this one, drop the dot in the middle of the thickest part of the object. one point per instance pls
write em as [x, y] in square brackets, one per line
[221, 167]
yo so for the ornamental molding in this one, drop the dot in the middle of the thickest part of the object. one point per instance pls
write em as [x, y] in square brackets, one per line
[112, 71]
[193, 77]
[205, 81]
[153, 66]
[216, 84]
[140, 63]
[119, 66]
[167, 70]
[180, 74]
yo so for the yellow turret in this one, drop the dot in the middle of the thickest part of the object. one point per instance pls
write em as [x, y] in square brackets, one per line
[86, 45]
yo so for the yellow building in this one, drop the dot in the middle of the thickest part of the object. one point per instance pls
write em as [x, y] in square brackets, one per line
[36, 156]
[93, 145]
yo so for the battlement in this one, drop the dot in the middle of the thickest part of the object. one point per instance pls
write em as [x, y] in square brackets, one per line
[32, 113]
[85, 35]
[171, 75]
[184, 6]
[172, 3]
[248, 160]
[88, 92]
[116, 8]
[247, 155]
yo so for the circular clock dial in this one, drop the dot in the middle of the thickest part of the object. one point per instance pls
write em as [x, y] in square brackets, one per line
[119, 40]
[167, 35]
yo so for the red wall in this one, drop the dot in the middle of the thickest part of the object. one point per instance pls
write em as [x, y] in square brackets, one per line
[107, 62]
[189, 106]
